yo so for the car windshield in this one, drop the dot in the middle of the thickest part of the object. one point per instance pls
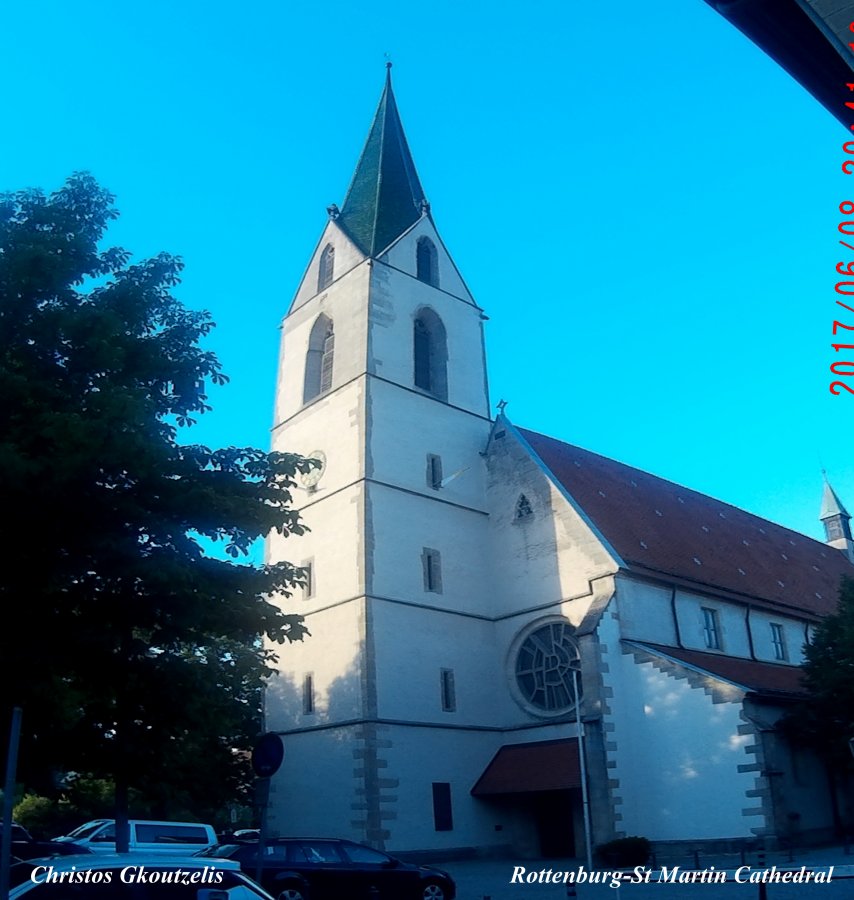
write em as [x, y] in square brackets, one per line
[218, 850]
[85, 830]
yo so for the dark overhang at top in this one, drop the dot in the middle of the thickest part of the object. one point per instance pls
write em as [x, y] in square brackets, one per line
[808, 38]
[385, 196]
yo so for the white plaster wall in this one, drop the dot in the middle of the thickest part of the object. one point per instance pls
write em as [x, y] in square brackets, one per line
[396, 298]
[404, 427]
[344, 301]
[330, 424]
[401, 255]
[418, 757]
[333, 655]
[401, 525]
[301, 803]
[347, 257]
[731, 616]
[645, 612]
[548, 558]
[673, 752]
[413, 645]
[334, 545]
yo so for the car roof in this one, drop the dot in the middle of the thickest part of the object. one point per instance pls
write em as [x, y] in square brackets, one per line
[271, 840]
[109, 860]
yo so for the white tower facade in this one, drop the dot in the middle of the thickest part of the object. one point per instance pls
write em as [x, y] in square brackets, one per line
[383, 377]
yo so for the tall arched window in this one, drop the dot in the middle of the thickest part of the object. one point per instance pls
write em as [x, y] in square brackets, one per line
[430, 354]
[326, 267]
[319, 359]
[427, 262]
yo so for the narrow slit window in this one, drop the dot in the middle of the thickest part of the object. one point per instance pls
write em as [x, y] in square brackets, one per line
[449, 696]
[432, 563]
[308, 577]
[308, 694]
[443, 819]
[778, 640]
[711, 628]
[434, 471]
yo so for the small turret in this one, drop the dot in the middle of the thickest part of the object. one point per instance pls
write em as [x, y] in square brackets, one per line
[836, 521]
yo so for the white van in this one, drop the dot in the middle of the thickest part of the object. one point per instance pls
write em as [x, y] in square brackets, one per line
[164, 838]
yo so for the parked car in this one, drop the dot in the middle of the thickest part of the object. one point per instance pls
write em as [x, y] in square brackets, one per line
[175, 838]
[132, 876]
[25, 846]
[250, 834]
[332, 869]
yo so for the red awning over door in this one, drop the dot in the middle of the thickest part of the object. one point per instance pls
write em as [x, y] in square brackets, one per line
[523, 768]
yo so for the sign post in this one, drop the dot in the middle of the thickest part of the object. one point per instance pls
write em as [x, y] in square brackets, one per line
[267, 756]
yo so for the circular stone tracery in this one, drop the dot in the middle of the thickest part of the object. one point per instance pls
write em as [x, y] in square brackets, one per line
[544, 668]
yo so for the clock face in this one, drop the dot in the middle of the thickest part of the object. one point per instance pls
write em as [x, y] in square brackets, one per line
[309, 479]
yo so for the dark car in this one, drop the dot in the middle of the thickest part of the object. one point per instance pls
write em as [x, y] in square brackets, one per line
[330, 869]
[25, 846]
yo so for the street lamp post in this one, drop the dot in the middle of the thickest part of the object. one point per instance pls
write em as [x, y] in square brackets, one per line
[585, 800]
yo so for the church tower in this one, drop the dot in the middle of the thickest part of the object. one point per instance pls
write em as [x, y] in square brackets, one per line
[836, 521]
[382, 377]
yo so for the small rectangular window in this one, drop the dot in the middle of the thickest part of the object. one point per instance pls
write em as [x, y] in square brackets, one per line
[434, 471]
[778, 639]
[432, 563]
[711, 628]
[449, 696]
[308, 578]
[308, 695]
[442, 816]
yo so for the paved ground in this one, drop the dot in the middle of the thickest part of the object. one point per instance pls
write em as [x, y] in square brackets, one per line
[491, 879]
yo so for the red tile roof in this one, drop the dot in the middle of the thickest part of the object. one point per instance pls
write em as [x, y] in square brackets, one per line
[660, 528]
[755, 677]
[537, 766]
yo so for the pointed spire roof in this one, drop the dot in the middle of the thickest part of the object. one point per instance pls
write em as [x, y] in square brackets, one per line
[831, 505]
[385, 196]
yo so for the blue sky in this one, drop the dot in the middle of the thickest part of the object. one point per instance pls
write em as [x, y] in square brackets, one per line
[644, 204]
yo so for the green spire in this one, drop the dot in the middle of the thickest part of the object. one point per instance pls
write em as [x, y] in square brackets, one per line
[831, 505]
[385, 195]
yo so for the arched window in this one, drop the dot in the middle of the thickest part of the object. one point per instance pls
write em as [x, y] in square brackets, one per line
[524, 510]
[319, 359]
[430, 353]
[427, 262]
[326, 267]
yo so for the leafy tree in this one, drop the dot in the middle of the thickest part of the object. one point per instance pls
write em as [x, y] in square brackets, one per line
[825, 720]
[134, 651]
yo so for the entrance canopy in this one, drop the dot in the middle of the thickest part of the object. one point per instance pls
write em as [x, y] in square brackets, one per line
[523, 768]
